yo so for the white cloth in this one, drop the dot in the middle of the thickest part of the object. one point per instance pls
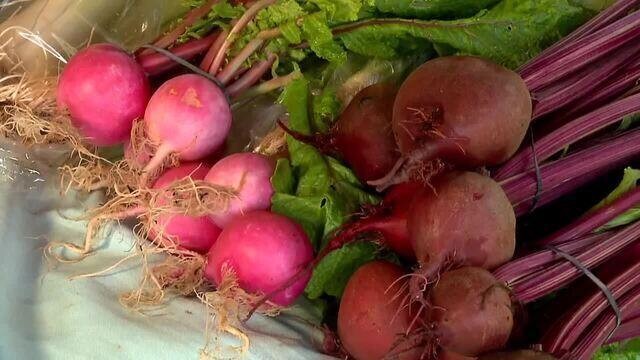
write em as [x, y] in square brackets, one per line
[44, 315]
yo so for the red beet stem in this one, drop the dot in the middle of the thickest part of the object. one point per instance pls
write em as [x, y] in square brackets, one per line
[604, 18]
[190, 18]
[156, 63]
[532, 263]
[598, 333]
[550, 279]
[563, 176]
[251, 77]
[568, 134]
[581, 52]
[594, 219]
[570, 327]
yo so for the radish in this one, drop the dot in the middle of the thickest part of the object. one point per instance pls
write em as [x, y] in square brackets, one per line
[373, 321]
[189, 117]
[104, 90]
[263, 251]
[461, 111]
[249, 175]
[466, 220]
[196, 233]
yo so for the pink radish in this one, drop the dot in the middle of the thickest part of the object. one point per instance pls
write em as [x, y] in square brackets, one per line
[263, 251]
[192, 233]
[104, 90]
[249, 175]
[188, 116]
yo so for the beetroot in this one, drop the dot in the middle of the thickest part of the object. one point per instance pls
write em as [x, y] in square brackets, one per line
[470, 312]
[466, 220]
[460, 111]
[362, 135]
[373, 321]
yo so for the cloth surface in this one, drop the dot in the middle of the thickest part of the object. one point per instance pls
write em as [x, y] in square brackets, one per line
[45, 315]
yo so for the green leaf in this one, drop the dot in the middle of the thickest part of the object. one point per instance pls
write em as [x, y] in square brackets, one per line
[629, 182]
[629, 122]
[224, 10]
[281, 12]
[333, 272]
[282, 179]
[306, 211]
[339, 11]
[510, 33]
[629, 350]
[433, 9]
[318, 34]
[326, 107]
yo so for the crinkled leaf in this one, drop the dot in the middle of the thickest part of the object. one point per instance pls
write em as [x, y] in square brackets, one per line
[333, 272]
[510, 33]
[326, 107]
[282, 179]
[433, 9]
[629, 350]
[629, 182]
[339, 11]
[306, 211]
[224, 10]
[318, 34]
[279, 13]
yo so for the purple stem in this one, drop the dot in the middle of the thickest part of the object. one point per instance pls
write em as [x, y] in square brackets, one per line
[573, 325]
[251, 77]
[553, 278]
[582, 52]
[628, 330]
[155, 63]
[604, 18]
[598, 333]
[622, 81]
[594, 219]
[580, 83]
[526, 265]
[562, 176]
[569, 134]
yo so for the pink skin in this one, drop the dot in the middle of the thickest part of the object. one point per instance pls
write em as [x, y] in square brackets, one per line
[249, 175]
[192, 233]
[189, 116]
[104, 90]
[265, 251]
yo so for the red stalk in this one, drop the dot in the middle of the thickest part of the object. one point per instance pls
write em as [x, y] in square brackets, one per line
[604, 18]
[190, 18]
[553, 278]
[562, 176]
[206, 62]
[594, 219]
[251, 77]
[155, 63]
[569, 134]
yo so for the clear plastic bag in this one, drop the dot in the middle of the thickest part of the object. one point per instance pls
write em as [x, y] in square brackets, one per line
[37, 35]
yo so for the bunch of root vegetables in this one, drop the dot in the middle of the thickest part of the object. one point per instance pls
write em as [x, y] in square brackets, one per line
[456, 153]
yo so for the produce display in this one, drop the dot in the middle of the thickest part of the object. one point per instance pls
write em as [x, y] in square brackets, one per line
[439, 179]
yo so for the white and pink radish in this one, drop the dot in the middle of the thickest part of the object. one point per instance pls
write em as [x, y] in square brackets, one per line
[249, 176]
[265, 253]
[104, 90]
[188, 117]
[195, 233]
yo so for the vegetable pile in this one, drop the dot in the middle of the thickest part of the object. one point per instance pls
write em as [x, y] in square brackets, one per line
[434, 176]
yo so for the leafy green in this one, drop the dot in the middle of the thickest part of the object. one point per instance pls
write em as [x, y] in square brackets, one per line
[629, 182]
[333, 272]
[629, 350]
[326, 192]
[629, 121]
[219, 16]
[320, 193]
[320, 39]
[339, 11]
[433, 9]
[510, 33]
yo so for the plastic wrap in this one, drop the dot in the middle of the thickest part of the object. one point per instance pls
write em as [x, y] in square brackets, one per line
[36, 36]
